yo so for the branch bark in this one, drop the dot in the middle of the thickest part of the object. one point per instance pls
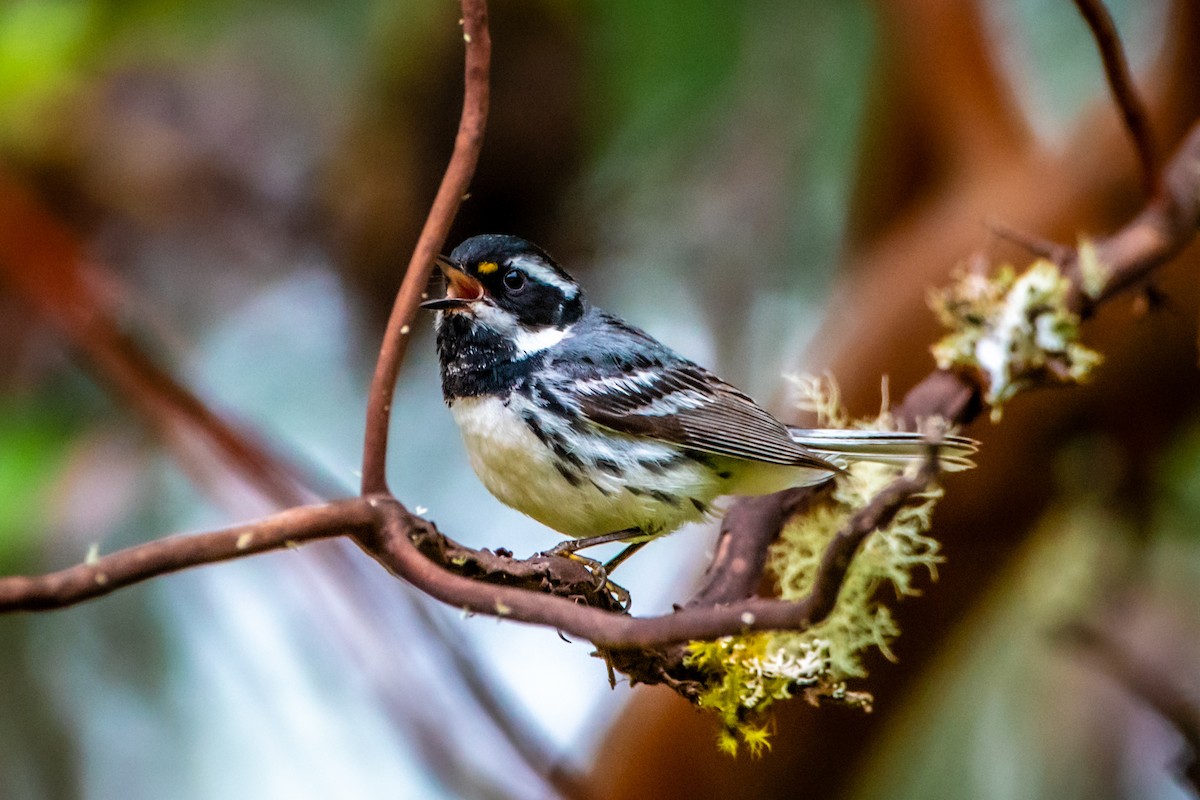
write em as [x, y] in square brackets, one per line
[453, 189]
[1124, 92]
[101, 576]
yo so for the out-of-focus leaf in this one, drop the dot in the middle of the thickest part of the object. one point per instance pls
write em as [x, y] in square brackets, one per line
[33, 440]
[41, 42]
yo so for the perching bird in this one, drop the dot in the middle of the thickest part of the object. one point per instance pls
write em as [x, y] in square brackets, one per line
[596, 429]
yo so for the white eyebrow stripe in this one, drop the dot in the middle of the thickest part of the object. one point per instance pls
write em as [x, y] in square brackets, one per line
[547, 275]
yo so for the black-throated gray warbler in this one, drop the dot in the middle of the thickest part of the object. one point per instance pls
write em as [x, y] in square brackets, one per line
[598, 430]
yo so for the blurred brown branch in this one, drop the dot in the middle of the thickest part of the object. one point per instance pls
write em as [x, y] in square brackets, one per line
[1169, 694]
[43, 262]
[1120, 82]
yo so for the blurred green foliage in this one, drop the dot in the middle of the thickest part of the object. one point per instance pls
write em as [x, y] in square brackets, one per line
[35, 435]
[42, 44]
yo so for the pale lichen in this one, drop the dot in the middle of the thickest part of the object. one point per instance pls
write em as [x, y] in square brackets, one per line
[745, 675]
[1016, 331]
[1094, 274]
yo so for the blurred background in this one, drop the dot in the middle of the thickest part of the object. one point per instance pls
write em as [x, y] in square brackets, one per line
[207, 205]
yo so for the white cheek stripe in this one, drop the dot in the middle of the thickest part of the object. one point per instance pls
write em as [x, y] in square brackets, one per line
[500, 321]
[529, 341]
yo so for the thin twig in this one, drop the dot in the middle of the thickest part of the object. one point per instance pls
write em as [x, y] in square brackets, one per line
[455, 182]
[103, 575]
[1120, 83]
[1043, 248]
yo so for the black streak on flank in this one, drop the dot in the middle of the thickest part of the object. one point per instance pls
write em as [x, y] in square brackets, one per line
[662, 497]
[543, 398]
[560, 448]
[569, 476]
[531, 422]
[609, 466]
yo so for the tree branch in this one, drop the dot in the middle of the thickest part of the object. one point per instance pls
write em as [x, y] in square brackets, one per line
[392, 545]
[1120, 83]
[100, 576]
[1150, 682]
[450, 194]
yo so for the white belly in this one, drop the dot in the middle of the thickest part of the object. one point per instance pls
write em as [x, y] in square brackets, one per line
[653, 490]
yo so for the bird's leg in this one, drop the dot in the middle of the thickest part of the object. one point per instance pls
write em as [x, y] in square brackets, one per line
[620, 557]
[565, 548]
[569, 547]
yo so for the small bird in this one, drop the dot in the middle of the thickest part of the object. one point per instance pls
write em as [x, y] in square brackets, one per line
[596, 429]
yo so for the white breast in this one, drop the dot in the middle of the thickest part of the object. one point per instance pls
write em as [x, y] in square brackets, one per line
[655, 490]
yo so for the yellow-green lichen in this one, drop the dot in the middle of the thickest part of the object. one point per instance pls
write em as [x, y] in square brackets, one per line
[1015, 330]
[745, 675]
[1092, 270]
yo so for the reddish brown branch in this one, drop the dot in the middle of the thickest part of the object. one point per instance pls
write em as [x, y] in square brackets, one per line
[392, 545]
[1120, 83]
[1150, 682]
[163, 556]
[1166, 225]
[42, 260]
[450, 194]
[748, 529]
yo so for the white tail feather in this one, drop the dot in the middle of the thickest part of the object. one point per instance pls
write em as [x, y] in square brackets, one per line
[884, 447]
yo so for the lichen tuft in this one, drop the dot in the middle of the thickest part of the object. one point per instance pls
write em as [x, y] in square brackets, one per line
[1015, 331]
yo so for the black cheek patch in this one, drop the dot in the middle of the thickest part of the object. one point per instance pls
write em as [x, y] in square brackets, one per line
[571, 310]
[538, 305]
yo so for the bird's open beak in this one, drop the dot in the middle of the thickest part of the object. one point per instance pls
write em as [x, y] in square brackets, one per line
[462, 290]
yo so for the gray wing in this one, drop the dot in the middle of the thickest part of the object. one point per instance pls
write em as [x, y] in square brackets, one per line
[639, 387]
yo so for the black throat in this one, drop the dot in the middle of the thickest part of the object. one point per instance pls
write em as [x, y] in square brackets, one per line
[477, 361]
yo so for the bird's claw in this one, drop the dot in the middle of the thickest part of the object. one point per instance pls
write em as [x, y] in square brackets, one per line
[618, 593]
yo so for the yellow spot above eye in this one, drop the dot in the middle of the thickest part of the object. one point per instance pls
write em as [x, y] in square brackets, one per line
[487, 267]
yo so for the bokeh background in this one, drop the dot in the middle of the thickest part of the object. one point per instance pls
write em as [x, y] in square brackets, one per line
[226, 192]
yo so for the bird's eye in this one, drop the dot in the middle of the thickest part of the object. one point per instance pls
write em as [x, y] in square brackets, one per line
[514, 280]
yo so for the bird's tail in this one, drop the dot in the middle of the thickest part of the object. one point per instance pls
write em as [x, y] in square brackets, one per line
[885, 447]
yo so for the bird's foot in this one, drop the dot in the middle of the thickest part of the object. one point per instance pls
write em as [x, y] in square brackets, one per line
[619, 594]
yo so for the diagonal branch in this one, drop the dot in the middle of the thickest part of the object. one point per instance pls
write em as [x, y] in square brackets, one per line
[1168, 694]
[42, 260]
[1120, 83]
[450, 194]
